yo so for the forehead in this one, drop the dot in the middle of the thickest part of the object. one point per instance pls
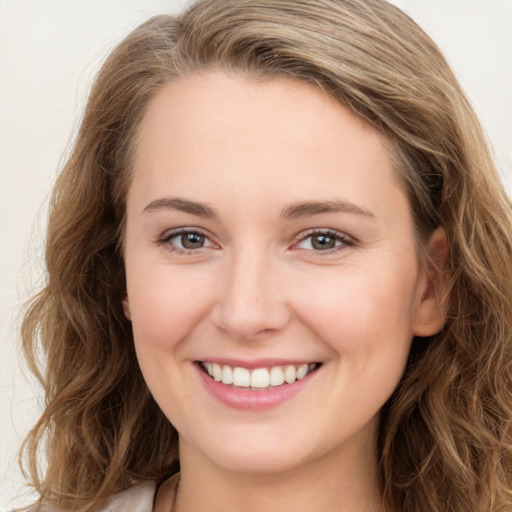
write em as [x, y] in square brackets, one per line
[220, 102]
[245, 134]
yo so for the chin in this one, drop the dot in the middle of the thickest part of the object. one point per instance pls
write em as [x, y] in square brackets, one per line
[258, 461]
[264, 457]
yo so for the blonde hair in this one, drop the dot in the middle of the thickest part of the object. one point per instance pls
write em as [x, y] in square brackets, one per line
[446, 433]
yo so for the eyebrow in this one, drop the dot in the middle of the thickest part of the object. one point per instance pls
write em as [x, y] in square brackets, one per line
[182, 205]
[294, 211]
[308, 209]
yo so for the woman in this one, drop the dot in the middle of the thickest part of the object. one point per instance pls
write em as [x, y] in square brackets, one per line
[278, 274]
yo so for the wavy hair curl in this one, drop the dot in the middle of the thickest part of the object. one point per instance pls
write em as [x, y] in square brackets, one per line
[446, 433]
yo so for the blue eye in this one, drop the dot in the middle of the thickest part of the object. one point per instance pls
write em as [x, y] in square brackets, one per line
[185, 240]
[324, 241]
[189, 240]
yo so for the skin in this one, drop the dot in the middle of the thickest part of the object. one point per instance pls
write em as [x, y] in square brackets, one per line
[250, 150]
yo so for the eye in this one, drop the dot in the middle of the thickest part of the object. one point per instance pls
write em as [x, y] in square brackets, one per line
[189, 240]
[185, 240]
[324, 240]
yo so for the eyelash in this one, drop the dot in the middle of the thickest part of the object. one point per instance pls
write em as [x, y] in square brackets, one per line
[167, 237]
[343, 239]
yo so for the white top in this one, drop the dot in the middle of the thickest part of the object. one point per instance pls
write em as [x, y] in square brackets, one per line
[138, 498]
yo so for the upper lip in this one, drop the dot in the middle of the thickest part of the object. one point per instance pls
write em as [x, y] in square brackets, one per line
[256, 363]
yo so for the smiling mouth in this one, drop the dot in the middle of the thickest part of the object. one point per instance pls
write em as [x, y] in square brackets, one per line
[259, 378]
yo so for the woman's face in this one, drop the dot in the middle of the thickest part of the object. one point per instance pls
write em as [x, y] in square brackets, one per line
[268, 240]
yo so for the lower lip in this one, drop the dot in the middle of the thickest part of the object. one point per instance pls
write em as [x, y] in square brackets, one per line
[257, 400]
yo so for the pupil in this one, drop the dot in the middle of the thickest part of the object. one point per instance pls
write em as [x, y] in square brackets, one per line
[323, 242]
[192, 240]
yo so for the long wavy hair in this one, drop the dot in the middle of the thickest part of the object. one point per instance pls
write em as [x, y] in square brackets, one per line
[446, 433]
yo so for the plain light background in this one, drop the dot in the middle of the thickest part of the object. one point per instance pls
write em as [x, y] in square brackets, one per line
[49, 53]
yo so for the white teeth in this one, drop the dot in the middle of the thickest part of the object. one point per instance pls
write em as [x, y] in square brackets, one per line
[290, 374]
[276, 376]
[227, 375]
[241, 377]
[217, 372]
[302, 371]
[259, 378]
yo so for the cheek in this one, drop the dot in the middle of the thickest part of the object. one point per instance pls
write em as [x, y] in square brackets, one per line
[360, 311]
[166, 305]
[365, 321]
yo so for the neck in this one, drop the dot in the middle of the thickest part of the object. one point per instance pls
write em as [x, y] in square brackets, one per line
[336, 482]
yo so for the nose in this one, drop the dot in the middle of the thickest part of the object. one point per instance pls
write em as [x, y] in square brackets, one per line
[251, 302]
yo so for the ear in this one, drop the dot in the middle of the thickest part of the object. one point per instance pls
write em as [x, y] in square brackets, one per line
[126, 308]
[430, 308]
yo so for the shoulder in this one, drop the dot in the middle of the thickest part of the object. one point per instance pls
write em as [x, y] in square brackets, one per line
[138, 498]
